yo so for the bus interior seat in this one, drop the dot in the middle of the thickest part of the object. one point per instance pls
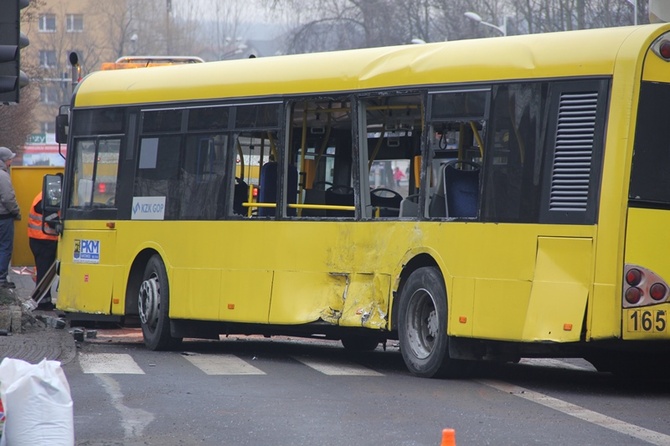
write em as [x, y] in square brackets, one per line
[387, 200]
[316, 195]
[241, 195]
[461, 188]
[409, 206]
[438, 204]
[268, 188]
[339, 195]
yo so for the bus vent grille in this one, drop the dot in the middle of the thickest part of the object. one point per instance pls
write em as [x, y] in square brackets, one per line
[575, 134]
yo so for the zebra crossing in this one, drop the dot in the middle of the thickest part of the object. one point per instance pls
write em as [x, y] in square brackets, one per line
[231, 365]
[214, 364]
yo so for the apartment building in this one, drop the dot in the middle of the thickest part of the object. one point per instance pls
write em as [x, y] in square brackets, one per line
[93, 29]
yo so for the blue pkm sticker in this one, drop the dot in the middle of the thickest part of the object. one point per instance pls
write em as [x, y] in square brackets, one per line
[86, 251]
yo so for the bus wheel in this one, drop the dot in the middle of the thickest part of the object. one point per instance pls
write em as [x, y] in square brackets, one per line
[422, 326]
[360, 343]
[153, 305]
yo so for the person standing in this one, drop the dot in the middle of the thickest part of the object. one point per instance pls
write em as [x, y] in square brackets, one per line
[43, 244]
[9, 211]
[398, 175]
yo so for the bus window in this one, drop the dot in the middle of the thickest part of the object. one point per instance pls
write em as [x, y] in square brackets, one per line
[203, 177]
[96, 170]
[514, 153]
[393, 135]
[456, 147]
[158, 172]
[650, 176]
[255, 179]
[321, 148]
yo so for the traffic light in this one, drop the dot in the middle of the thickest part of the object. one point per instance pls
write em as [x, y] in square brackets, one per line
[11, 42]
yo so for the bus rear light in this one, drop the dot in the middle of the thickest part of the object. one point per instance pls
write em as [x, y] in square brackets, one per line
[255, 191]
[661, 47]
[657, 291]
[642, 286]
[633, 277]
[633, 295]
[102, 188]
[664, 49]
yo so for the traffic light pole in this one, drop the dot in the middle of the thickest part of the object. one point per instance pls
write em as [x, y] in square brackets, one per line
[12, 79]
[76, 70]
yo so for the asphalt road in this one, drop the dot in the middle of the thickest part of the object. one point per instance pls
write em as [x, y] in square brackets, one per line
[280, 391]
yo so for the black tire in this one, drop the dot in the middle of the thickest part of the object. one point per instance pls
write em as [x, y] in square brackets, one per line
[154, 305]
[422, 326]
[360, 343]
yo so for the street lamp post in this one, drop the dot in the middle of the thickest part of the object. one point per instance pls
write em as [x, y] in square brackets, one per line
[634, 3]
[477, 18]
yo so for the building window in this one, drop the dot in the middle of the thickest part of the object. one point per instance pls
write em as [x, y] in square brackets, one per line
[47, 23]
[75, 23]
[49, 94]
[48, 58]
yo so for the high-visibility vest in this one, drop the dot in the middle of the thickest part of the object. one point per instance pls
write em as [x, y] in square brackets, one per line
[35, 224]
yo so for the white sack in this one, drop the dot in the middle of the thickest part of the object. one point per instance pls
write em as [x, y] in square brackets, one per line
[38, 405]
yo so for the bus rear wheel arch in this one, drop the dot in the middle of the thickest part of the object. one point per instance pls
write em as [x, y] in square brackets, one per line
[153, 304]
[422, 326]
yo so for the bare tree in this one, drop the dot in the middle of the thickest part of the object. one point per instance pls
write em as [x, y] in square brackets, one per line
[338, 24]
[345, 24]
[222, 36]
[16, 120]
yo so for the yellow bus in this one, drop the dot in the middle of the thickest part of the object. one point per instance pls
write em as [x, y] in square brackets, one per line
[529, 218]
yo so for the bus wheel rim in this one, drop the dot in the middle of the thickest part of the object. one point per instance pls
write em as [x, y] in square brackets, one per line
[422, 324]
[149, 301]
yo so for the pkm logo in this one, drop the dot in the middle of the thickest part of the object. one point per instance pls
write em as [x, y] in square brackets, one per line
[90, 246]
[86, 251]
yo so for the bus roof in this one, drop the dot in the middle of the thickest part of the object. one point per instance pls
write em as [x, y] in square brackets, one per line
[573, 53]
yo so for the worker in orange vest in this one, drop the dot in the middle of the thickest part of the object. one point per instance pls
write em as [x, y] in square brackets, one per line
[43, 244]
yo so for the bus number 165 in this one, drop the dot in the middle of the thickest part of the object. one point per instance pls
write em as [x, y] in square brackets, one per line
[647, 320]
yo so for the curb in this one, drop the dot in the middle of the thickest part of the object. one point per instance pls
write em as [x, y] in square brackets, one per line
[30, 335]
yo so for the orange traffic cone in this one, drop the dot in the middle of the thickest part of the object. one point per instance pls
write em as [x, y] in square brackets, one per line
[448, 437]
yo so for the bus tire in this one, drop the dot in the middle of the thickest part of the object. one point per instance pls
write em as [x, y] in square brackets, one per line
[422, 326]
[154, 305]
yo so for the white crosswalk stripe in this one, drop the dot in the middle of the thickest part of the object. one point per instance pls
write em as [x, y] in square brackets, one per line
[109, 363]
[328, 367]
[222, 365]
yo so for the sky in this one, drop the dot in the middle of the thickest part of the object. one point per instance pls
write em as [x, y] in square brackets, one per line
[256, 24]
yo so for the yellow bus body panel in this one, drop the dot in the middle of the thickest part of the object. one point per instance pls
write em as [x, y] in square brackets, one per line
[87, 274]
[561, 287]
[343, 274]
